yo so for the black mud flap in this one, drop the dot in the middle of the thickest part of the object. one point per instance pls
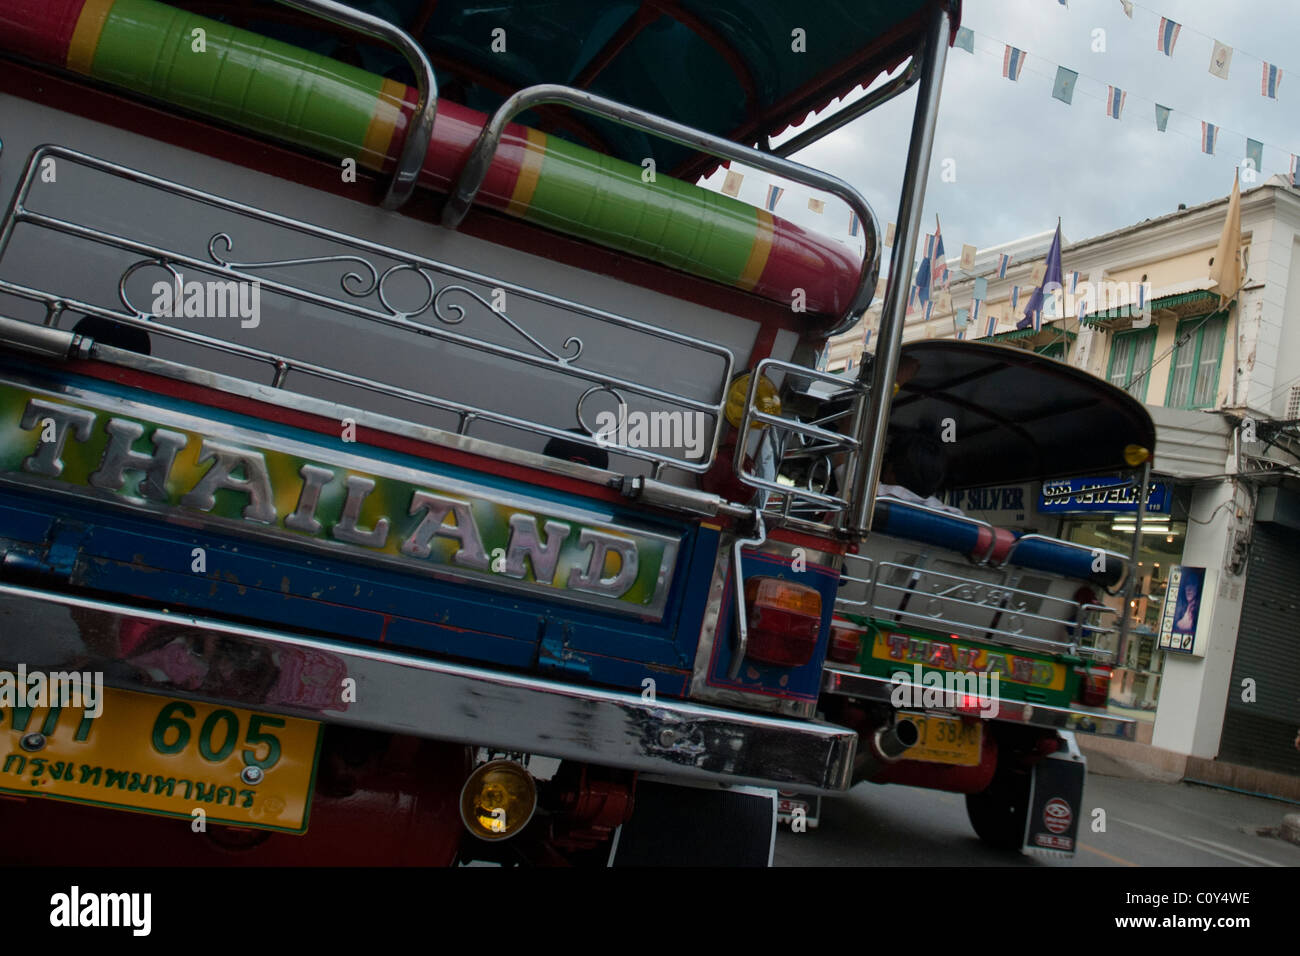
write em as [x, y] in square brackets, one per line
[675, 825]
[1056, 802]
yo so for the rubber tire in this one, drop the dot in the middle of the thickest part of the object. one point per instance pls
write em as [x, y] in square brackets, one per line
[1000, 812]
[694, 826]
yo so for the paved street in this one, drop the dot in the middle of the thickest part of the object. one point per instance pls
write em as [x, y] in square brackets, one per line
[1147, 824]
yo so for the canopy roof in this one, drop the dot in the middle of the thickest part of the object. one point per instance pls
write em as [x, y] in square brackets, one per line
[725, 66]
[1018, 416]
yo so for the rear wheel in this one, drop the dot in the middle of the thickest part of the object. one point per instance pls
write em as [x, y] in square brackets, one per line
[999, 813]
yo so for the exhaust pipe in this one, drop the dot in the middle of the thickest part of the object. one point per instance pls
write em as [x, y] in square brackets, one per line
[886, 745]
[890, 743]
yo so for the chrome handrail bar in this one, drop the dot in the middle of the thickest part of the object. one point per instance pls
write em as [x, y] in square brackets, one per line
[410, 161]
[474, 172]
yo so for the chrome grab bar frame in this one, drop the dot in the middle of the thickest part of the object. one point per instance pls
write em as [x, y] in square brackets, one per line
[475, 170]
[418, 135]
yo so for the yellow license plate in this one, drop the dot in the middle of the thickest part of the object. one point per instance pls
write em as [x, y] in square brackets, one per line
[949, 740]
[164, 756]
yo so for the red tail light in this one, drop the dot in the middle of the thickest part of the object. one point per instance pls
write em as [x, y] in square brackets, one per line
[846, 643]
[784, 621]
[1094, 685]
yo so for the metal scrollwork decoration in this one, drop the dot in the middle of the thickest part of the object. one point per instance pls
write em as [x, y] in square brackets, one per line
[453, 313]
[362, 286]
[131, 270]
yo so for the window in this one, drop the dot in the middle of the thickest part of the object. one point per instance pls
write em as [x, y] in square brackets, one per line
[1130, 355]
[1194, 374]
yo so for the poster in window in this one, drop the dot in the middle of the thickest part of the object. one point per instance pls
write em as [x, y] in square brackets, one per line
[1185, 617]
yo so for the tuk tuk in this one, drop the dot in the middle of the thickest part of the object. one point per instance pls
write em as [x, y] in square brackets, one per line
[380, 404]
[968, 655]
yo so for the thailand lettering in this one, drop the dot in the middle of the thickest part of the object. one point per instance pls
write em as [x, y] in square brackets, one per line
[24, 690]
[954, 657]
[440, 528]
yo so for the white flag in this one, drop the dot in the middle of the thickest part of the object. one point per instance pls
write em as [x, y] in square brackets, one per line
[1128, 8]
[731, 183]
[817, 205]
[967, 257]
[1220, 60]
[880, 288]
[889, 234]
[943, 302]
[1036, 277]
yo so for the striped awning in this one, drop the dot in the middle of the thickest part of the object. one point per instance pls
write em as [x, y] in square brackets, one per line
[1196, 302]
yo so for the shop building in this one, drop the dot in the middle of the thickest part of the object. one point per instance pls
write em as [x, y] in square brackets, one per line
[1223, 386]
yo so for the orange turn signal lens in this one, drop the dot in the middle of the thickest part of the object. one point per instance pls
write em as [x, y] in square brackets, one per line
[498, 800]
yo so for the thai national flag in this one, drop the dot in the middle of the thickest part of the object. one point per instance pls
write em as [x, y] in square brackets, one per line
[974, 311]
[929, 308]
[1209, 133]
[993, 324]
[1003, 262]
[938, 265]
[1295, 162]
[1115, 101]
[773, 197]
[1013, 62]
[1074, 282]
[1271, 80]
[1015, 298]
[867, 341]
[1167, 36]
[854, 224]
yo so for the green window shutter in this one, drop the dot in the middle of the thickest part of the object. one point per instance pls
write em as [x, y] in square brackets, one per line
[1183, 365]
[1130, 356]
[1121, 361]
[1208, 363]
[1194, 378]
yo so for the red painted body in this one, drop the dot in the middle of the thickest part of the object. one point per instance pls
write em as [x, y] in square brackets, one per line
[378, 801]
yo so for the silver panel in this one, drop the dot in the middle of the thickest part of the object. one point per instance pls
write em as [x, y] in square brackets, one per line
[428, 698]
[434, 343]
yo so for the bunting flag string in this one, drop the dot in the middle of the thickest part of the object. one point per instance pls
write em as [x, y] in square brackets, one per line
[1064, 86]
[1217, 46]
[774, 194]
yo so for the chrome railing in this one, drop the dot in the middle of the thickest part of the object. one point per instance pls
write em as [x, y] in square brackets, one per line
[789, 500]
[476, 166]
[988, 610]
[371, 288]
[410, 161]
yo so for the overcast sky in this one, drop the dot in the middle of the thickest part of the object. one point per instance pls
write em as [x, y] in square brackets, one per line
[1023, 158]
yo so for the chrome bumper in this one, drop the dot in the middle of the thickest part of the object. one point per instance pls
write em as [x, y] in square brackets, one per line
[304, 676]
[1079, 719]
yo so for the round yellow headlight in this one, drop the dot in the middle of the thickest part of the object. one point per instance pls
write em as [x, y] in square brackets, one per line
[1136, 454]
[766, 399]
[498, 800]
